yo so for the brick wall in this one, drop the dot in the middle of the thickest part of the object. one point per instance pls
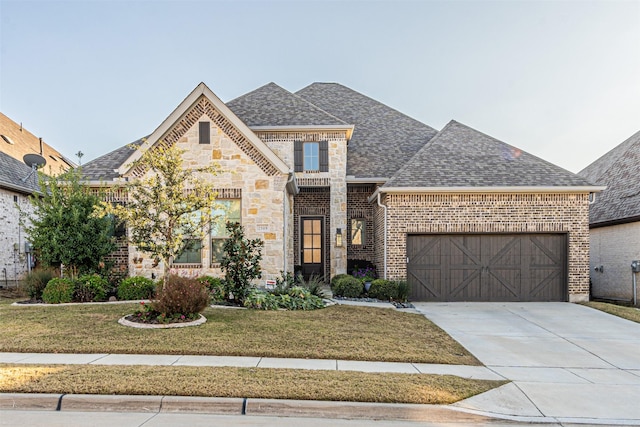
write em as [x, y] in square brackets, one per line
[358, 207]
[613, 248]
[313, 202]
[13, 261]
[489, 213]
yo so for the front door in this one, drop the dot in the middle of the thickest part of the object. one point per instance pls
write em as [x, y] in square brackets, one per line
[311, 247]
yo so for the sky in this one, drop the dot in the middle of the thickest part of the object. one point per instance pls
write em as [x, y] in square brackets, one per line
[558, 79]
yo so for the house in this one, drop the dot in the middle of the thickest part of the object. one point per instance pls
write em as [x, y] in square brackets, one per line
[330, 178]
[614, 221]
[17, 182]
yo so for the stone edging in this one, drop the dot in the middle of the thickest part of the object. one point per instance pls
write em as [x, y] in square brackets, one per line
[124, 322]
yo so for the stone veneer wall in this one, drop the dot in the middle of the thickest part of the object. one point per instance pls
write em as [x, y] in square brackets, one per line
[13, 263]
[282, 143]
[358, 207]
[613, 248]
[490, 213]
[262, 199]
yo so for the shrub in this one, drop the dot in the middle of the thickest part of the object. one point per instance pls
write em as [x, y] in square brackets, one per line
[180, 296]
[403, 290]
[314, 285]
[240, 262]
[383, 290]
[90, 287]
[348, 287]
[337, 277]
[36, 280]
[58, 290]
[261, 300]
[136, 287]
[215, 286]
[283, 285]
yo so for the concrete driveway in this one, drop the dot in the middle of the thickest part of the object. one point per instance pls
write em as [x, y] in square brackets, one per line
[568, 362]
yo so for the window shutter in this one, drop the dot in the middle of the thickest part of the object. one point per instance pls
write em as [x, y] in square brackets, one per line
[297, 155]
[205, 133]
[324, 156]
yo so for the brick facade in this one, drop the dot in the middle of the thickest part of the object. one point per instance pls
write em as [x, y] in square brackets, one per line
[358, 207]
[613, 248]
[312, 202]
[13, 259]
[488, 213]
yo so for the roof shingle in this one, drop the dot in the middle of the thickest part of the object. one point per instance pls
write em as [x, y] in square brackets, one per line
[383, 139]
[459, 156]
[619, 170]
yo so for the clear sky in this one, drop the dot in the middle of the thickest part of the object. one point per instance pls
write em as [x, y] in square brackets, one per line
[559, 79]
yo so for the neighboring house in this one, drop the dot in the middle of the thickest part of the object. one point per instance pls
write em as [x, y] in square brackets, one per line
[16, 141]
[330, 178]
[615, 220]
[17, 182]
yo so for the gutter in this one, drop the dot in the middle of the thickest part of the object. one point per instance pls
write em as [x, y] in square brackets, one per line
[385, 234]
[501, 189]
[18, 188]
[374, 180]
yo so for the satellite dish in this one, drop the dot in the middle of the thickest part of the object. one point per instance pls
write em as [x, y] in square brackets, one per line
[34, 161]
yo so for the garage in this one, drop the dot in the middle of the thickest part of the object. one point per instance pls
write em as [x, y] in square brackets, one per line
[487, 267]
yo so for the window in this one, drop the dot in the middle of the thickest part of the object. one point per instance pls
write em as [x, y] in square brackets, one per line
[224, 211]
[204, 133]
[358, 227]
[191, 254]
[311, 156]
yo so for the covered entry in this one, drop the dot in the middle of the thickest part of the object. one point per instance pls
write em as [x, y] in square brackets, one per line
[487, 267]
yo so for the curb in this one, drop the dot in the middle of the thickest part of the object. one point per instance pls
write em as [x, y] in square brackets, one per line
[237, 406]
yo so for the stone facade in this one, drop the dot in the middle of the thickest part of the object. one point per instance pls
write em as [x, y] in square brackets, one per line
[240, 177]
[613, 248]
[333, 181]
[488, 213]
[13, 258]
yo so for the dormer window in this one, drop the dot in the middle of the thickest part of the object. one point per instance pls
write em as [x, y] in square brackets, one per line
[311, 156]
[204, 133]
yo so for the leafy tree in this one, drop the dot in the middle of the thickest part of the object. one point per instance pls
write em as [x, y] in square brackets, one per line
[240, 262]
[168, 207]
[64, 229]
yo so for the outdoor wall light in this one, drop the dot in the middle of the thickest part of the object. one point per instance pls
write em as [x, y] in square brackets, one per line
[339, 237]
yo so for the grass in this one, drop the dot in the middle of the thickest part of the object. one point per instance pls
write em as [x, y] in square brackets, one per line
[629, 313]
[241, 382]
[337, 332]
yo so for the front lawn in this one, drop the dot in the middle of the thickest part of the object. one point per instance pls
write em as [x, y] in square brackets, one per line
[629, 313]
[241, 382]
[337, 332]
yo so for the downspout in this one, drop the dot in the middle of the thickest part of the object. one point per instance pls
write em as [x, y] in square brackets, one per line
[285, 230]
[385, 235]
[592, 198]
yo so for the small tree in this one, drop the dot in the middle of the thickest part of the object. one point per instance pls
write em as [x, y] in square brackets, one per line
[240, 262]
[168, 207]
[64, 228]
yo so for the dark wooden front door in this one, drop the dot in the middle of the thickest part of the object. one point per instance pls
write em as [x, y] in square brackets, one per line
[500, 267]
[311, 246]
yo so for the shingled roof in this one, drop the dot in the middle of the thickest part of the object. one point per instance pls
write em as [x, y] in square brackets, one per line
[619, 170]
[271, 105]
[383, 138]
[104, 168]
[12, 174]
[459, 156]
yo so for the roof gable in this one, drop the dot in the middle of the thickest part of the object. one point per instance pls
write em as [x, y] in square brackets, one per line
[202, 101]
[383, 138]
[461, 157]
[619, 170]
[271, 105]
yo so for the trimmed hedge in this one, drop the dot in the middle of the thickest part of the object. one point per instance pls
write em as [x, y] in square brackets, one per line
[137, 287]
[347, 286]
[58, 291]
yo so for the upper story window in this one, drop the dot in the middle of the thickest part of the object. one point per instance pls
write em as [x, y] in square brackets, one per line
[204, 133]
[311, 156]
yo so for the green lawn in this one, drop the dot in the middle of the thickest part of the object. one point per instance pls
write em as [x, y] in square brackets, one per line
[337, 332]
[629, 313]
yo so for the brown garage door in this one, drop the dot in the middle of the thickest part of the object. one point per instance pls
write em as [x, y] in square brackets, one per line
[487, 267]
